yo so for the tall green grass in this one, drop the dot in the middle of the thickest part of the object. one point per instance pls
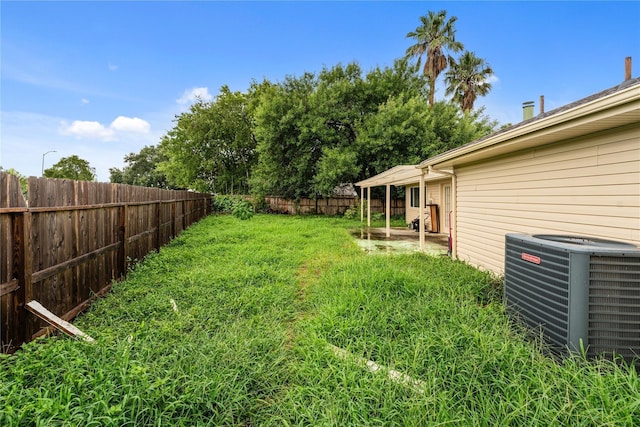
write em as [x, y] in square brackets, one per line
[257, 305]
[440, 322]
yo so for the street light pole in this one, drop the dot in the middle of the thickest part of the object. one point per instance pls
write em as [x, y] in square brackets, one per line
[52, 151]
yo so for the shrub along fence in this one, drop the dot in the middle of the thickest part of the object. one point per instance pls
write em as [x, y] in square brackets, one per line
[71, 239]
[329, 206]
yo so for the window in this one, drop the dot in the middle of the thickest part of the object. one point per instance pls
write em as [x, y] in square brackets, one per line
[415, 197]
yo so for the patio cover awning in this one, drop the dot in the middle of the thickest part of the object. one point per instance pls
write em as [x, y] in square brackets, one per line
[398, 175]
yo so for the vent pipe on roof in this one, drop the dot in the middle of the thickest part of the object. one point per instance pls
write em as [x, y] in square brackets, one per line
[627, 68]
[527, 110]
[541, 104]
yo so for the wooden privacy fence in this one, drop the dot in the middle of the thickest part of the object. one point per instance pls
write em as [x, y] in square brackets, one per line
[330, 206]
[71, 239]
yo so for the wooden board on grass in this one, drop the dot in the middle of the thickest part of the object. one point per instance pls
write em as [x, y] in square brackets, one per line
[36, 308]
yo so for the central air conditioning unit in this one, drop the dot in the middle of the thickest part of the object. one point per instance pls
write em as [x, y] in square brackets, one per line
[577, 290]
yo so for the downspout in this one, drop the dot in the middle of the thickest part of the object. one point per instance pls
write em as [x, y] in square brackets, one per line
[454, 209]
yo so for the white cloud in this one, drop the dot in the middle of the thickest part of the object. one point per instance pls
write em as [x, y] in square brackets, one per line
[130, 124]
[493, 79]
[191, 95]
[88, 129]
[43, 133]
[112, 67]
[83, 129]
[84, 101]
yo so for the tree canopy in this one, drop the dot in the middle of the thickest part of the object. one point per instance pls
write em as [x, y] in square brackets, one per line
[433, 38]
[342, 126]
[141, 169]
[468, 78]
[211, 147]
[72, 167]
[308, 129]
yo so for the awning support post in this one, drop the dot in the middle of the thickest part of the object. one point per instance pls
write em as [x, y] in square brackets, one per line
[362, 204]
[421, 224]
[368, 206]
[388, 210]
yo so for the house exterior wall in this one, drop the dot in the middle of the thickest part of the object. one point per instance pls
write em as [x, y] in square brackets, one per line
[410, 212]
[433, 195]
[589, 187]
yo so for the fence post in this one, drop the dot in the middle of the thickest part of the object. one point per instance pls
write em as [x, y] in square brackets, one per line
[158, 220]
[173, 218]
[24, 271]
[184, 215]
[122, 236]
[18, 254]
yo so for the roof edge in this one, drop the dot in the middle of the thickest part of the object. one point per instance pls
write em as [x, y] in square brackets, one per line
[618, 95]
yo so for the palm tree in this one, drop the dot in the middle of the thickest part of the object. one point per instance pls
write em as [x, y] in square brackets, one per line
[436, 34]
[467, 79]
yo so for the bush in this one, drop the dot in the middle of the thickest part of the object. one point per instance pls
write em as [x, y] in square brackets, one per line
[352, 212]
[238, 206]
[377, 216]
[243, 209]
[223, 203]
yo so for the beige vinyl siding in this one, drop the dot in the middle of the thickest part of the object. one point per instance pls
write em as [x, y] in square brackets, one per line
[588, 187]
[433, 192]
[433, 195]
[410, 212]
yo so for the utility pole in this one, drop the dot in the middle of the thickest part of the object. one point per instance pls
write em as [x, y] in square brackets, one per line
[52, 151]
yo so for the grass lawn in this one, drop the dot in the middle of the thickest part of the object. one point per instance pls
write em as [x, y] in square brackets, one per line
[235, 323]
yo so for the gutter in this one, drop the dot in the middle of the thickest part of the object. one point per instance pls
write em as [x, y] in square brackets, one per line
[622, 97]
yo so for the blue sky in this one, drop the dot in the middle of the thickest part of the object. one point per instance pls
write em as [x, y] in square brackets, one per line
[103, 79]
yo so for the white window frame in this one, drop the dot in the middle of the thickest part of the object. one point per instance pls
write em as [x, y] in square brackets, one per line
[415, 197]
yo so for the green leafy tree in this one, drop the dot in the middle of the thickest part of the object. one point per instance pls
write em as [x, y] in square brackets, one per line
[407, 131]
[337, 105]
[116, 175]
[396, 135]
[336, 165]
[307, 128]
[433, 37]
[400, 79]
[449, 128]
[287, 145]
[72, 167]
[315, 133]
[468, 78]
[141, 169]
[212, 146]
